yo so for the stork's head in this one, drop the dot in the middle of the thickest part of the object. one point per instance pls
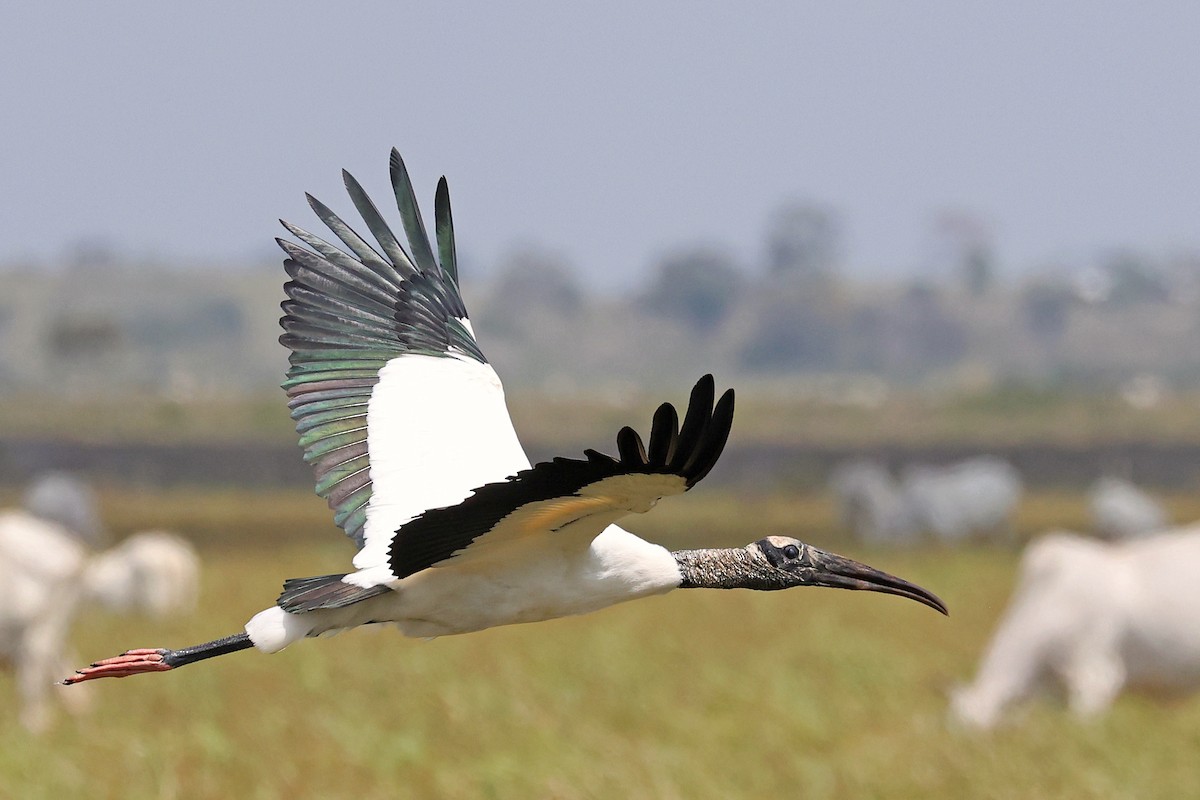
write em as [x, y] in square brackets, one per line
[791, 562]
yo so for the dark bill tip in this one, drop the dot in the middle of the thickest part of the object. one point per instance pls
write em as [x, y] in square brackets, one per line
[839, 572]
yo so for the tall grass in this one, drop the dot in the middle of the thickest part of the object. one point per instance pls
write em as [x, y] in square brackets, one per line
[807, 693]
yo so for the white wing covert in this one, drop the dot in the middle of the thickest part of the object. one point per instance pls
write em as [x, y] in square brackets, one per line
[397, 409]
[567, 494]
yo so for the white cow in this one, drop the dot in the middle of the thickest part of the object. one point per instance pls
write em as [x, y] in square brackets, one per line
[975, 498]
[41, 566]
[1093, 617]
[872, 505]
[155, 572]
[1121, 510]
[47, 576]
[69, 501]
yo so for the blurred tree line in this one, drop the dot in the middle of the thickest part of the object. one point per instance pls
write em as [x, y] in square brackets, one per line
[953, 322]
[96, 325]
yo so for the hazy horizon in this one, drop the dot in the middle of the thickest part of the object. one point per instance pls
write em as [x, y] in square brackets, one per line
[608, 135]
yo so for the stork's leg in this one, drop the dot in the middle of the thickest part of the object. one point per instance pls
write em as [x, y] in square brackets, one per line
[135, 662]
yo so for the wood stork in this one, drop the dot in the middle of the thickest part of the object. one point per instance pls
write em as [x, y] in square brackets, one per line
[404, 423]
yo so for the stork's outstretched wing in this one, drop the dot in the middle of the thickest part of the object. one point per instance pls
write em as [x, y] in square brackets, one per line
[397, 409]
[580, 494]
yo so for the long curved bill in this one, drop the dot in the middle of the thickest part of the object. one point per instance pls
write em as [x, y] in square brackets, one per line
[839, 572]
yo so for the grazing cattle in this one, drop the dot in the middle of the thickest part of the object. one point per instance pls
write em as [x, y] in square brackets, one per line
[66, 500]
[154, 572]
[972, 499]
[47, 576]
[872, 505]
[1121, 510]
[1094, 618]
[41, 565]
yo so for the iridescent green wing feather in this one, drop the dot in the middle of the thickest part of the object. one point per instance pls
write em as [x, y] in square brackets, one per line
[348, 313]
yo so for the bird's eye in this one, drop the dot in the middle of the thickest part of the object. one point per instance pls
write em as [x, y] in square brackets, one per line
[791, 551]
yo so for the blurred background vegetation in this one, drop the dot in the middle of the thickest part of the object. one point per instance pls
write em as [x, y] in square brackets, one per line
[1071, 371]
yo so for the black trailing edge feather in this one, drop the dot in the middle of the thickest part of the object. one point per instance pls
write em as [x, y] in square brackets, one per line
[323, 591]
[689, 453]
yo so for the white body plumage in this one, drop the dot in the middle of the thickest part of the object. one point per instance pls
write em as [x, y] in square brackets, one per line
[536, 579]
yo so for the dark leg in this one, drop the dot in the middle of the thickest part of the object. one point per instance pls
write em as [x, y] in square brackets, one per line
[135, 662]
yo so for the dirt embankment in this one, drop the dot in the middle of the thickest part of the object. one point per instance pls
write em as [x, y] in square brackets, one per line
[257, 465]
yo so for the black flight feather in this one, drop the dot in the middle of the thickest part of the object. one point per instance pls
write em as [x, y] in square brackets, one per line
[664, 434]
[713, 441]
[699, 411]
[410, 213]
[383, 234]
[630, 446]
[443, 229]
[323, 591]
[358, 245]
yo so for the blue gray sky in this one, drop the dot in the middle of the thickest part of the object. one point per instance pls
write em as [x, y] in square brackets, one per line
[609, 132]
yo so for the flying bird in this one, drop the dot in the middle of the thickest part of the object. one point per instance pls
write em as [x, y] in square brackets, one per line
[404, 423]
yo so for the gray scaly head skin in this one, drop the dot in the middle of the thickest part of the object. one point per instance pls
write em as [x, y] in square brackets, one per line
[779, 562]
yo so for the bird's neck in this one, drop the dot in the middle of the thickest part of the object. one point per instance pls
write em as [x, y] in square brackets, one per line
[726, 568]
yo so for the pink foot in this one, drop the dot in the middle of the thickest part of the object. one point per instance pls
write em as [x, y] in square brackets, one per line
[131, 662]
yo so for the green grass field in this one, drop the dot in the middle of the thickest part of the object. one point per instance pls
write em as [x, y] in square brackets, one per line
[807, 693]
